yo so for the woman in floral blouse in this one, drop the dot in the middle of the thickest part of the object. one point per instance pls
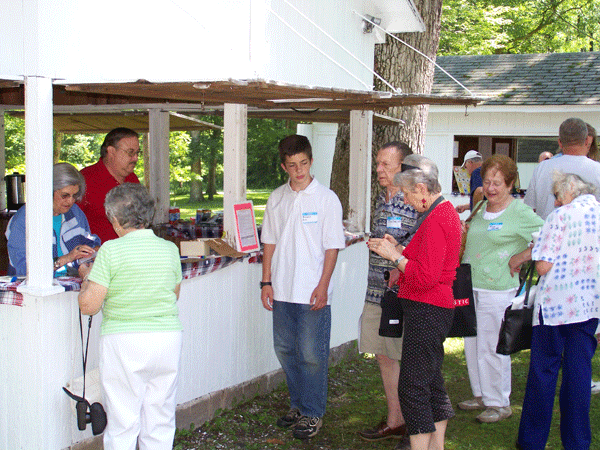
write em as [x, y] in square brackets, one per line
[567, 255]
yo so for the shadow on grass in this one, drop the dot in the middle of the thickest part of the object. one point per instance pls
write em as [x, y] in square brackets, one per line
[356, 401]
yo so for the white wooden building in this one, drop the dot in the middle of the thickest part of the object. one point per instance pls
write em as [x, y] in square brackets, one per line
[528, 98]
[239, 58]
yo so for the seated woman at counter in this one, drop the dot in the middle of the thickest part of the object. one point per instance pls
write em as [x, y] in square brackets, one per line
[135, 279]
[72, 237]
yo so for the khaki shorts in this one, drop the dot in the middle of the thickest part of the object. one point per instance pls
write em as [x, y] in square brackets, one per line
[369, 339]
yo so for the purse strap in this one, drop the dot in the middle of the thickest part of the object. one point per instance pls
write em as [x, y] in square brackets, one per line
[420, 219]
[528, 280]
[477, 208]
[463, 236]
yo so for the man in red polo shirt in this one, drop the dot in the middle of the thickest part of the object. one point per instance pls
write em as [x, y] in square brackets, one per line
[118, 156]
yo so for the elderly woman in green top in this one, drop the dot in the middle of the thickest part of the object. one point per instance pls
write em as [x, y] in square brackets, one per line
[497, 244]
[135, 279]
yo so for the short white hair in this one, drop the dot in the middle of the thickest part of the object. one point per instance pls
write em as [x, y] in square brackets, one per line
[423, 171]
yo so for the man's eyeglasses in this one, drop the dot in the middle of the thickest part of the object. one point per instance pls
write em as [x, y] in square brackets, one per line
[131, 152]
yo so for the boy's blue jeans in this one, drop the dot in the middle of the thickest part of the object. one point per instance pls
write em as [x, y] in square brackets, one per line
[301, 341]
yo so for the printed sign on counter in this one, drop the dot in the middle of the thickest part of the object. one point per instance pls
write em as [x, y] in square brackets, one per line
[246, 235]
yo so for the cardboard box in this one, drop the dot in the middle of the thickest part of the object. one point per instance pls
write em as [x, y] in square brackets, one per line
[223, 248]
[203, 247]
[199, 247]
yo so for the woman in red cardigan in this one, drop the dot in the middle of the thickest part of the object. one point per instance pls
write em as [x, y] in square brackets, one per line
[427, 268]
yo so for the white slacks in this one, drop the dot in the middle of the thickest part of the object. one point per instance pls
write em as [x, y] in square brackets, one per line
[138, 372]
[489, 372]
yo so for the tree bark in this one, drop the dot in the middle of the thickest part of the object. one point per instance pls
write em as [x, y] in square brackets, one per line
[196, 167]
[196, 194]
[58, 139]
[403, 68]
[211, 185]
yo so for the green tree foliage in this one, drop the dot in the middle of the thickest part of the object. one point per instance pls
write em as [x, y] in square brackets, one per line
[78, 149]
[14, 129]
[81, 150]
[478, 27]
[179, 160]
[263, 158]
[207, 147]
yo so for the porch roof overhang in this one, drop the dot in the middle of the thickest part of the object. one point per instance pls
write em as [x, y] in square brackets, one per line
[102, 122]
[265, 99]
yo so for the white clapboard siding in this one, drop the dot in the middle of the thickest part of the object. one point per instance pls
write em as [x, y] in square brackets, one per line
[227, 341]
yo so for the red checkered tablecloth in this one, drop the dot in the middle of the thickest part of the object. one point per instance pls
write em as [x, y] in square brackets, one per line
[206, 265]
[10, 296]
[196, 268]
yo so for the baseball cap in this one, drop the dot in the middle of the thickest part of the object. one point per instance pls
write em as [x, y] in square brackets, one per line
[471, 154]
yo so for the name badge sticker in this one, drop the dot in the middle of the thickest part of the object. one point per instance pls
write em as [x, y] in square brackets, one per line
[394, 222]
[310, 217]
[495, 226]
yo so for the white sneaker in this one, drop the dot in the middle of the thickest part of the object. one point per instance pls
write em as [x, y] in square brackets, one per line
[494, 414]
[471, 405]
[595, 387]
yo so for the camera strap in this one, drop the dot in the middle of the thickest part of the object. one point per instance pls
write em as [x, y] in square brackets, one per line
[84, 355]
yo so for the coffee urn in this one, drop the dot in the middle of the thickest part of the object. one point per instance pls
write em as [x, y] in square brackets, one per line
[15, 191]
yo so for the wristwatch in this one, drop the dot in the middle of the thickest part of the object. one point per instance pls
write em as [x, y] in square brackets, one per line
[396, 262]
[265, 283]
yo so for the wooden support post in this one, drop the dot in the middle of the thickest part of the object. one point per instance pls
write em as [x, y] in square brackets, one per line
[158, 163]
[234, 163]
[359, 196]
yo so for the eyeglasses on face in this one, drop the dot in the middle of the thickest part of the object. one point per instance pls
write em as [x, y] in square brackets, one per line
[131, 152]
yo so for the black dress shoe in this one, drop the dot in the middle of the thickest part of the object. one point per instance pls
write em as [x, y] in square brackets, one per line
[382, 431]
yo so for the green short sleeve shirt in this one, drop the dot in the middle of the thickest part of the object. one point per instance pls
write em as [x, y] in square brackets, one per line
[140, 271]
[491, 244]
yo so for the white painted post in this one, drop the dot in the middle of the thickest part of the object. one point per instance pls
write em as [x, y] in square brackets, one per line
[38, 160]
[158, 163]
[322, 138]
[234, 163]
[359, 195]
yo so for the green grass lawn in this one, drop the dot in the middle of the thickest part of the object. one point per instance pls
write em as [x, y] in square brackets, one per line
[356, 398]
[356, 401]
[188, 209]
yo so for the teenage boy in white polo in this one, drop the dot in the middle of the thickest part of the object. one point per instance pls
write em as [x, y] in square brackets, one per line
[302, 231]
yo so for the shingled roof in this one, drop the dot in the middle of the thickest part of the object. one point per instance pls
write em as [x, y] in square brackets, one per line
[536, 79]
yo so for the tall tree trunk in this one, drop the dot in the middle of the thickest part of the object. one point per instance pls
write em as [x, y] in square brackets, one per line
[403, 68]
[211, 185]
[58, 139]
[196, 167]
[196, 194]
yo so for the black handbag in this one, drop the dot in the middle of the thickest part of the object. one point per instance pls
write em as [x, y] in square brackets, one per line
[391, 315]
[464, 323]
[517, 325]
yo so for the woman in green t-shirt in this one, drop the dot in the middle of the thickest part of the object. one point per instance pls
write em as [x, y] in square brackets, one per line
[499, 231]
[135, 279]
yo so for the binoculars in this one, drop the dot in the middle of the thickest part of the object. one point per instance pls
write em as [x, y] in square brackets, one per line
[87, 413]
